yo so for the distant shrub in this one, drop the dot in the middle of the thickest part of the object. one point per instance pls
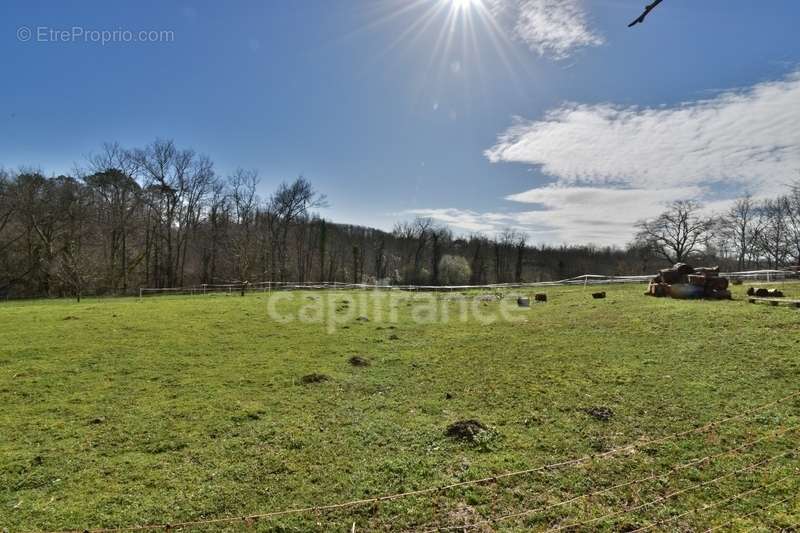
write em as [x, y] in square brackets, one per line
[415, 277]
[454, 270]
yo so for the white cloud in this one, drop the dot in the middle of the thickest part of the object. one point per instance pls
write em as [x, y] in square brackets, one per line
[554, 197]
[553, 28]
[583, 215]
[615, 165]
[748, 138]
[460, 219]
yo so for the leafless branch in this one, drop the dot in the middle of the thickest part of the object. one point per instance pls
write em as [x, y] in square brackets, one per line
[646, 12]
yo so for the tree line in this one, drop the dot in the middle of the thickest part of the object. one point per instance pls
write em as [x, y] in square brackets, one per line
[750, 234]
[160, 216]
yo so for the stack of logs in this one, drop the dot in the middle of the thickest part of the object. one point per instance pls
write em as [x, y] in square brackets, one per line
[685, 281]
[762, 292]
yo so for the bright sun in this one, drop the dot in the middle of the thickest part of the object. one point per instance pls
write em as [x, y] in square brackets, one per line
[462, 4]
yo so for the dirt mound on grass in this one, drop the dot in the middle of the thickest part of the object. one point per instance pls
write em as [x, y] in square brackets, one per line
[313, 378]
[603, 414]
[465, 429]
[357, 360]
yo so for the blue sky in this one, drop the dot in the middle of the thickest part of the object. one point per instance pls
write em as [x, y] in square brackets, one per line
[548, 116]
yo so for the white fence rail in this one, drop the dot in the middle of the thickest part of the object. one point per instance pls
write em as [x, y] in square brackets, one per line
[585, 279]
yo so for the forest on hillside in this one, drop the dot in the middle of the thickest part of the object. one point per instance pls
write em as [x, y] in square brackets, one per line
[159, 216]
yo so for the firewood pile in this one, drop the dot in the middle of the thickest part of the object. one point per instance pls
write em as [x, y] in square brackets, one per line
[686, 282]
[762, 292]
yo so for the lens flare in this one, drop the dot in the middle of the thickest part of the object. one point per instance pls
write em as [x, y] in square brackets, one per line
[462, 4]
[457, 43]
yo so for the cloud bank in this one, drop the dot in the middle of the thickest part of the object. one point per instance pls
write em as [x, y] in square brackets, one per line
[569, 214]
[749, 137]
[615, 165]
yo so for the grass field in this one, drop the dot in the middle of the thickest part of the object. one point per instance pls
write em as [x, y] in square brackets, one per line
[118, 412]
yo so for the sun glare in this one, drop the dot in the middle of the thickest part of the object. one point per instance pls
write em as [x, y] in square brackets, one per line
[459, 41]
[462, 4]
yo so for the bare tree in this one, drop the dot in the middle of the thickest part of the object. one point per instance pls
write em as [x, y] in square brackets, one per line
[177, 183]
[242, 186]
[773, 239]
[414, 237]
[479, 246]
[118, 200]
[520, 244]
[215, 231]
[37, 202]
[289, 206]
[507, 253]
[75, 266]
[380, 259]
[440, 237]
[8, 237]
[740, 228]
[6, 203]
[678, 233]
[110, 176]
[793, 221]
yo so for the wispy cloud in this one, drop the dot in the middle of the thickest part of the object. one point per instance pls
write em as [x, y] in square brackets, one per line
[747, 137]
[597, 215]
[463, 219]
[553, 28]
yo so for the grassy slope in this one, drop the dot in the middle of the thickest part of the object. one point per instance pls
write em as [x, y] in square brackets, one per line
[175, 408]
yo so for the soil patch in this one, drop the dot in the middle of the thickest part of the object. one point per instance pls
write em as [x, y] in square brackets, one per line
[465, 429]
[357, 360]
[314, 378]
[603, 414]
